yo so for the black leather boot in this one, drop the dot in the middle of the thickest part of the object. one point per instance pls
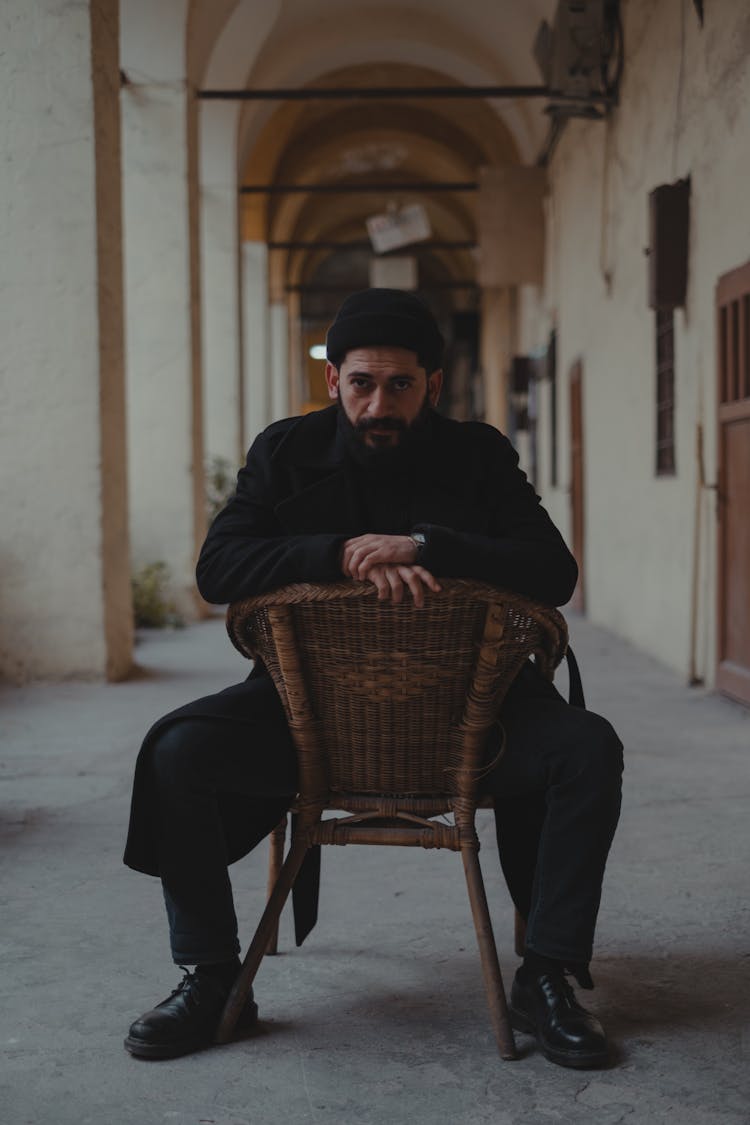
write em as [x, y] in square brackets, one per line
[545, 1006]
[187, 1020]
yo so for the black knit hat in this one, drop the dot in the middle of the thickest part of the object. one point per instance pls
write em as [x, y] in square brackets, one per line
[389, 318]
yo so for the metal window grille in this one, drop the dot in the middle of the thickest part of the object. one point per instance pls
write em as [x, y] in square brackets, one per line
[734, 349]
[665, 444]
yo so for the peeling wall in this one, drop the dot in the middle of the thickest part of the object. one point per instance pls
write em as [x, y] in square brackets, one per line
[684, 110]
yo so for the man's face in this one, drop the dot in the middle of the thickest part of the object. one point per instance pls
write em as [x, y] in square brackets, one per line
[383, 391]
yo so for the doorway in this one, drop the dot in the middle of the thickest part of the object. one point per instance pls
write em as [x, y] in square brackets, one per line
[577, 499]
[733, 500]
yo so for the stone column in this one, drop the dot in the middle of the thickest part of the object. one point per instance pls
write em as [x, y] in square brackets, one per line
[255, 340]
[220, 291]
[296, 375]
[279, 324]
[65, 594]
[510, 220]
[165, 453]
[496, 352]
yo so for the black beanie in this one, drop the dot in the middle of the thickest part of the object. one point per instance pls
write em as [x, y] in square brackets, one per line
[388, 318]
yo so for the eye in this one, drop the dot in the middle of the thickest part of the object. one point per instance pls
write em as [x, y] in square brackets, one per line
[359, 382]
[402, 384]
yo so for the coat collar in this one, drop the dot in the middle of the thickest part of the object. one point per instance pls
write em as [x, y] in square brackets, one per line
[323, 496]
[312, 443]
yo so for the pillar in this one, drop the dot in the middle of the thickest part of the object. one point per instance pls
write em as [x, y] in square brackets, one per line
[298, 394]
[255, 340]
[496, 352]
[279, 325]
[220, 286]
[65, 595]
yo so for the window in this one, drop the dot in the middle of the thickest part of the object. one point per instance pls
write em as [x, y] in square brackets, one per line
[665, 455]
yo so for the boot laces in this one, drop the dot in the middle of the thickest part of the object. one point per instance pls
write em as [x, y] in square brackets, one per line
[187, 982]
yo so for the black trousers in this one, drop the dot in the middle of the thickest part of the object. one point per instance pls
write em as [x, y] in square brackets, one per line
[557, 800]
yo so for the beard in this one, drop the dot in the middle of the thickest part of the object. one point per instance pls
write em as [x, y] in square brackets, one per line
[391, 456]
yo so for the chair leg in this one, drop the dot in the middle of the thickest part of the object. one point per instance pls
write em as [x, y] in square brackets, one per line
[275, 861]
[259, 944]
[488, 952]
[519, 935]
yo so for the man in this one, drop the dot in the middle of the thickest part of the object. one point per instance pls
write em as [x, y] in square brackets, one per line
[380, 488]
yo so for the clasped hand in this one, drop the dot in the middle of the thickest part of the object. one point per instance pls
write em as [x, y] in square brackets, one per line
[389, 562]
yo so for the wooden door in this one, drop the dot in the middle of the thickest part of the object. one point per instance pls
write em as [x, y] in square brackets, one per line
[733, 499]
[578, 601]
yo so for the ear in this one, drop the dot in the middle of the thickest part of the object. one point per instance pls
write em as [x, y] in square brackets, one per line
[332, 380]
[434, 386]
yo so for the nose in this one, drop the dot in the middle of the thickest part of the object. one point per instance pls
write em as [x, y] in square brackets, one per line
[377, 404]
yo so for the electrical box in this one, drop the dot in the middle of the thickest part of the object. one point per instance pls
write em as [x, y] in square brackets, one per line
[570, 53]
[669, 224]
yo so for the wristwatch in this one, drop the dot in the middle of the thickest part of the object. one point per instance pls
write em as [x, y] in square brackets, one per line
[419, 541]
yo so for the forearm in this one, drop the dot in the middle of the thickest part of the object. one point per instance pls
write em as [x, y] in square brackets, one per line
[241, 567]
[536, 562]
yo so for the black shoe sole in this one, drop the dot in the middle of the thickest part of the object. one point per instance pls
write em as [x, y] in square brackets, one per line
[578, 1060]
[141, 1049]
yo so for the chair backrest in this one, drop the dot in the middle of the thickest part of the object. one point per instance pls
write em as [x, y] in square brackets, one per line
[391, 699]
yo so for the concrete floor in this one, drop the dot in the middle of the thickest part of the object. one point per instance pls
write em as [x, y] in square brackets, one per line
[381, 1017]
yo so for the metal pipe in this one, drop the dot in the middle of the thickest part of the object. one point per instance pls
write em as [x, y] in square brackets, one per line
[365, 244]
[348, 189]
[554, 133]
[360, 93]
[308, 287]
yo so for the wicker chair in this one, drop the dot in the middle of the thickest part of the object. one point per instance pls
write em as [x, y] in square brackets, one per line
[391, 708]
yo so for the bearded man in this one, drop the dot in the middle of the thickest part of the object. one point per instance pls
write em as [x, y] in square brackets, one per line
[378, 487]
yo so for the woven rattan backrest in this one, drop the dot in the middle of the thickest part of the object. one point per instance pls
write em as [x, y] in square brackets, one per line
[396, 699]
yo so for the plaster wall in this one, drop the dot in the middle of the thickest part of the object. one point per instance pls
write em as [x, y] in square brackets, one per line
[57, 570]
[685, 110]
[256, 344]
[160, 362]
[220, 307]
[158, 332]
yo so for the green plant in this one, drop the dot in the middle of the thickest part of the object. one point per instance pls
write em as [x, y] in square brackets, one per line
[220, 480]
[152, 607]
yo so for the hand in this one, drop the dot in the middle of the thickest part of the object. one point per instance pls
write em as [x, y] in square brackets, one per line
[366, 551]
[391, 580]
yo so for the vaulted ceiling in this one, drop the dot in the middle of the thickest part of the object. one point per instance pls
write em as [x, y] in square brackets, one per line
[233, 44]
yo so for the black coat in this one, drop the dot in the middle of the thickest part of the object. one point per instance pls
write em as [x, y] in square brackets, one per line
[296, 502]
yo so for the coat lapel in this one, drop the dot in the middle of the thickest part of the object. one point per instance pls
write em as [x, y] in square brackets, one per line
[321, 497]
[445, 489]
[323, 505]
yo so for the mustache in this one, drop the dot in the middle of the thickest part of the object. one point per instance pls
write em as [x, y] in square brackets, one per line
[385, 423]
